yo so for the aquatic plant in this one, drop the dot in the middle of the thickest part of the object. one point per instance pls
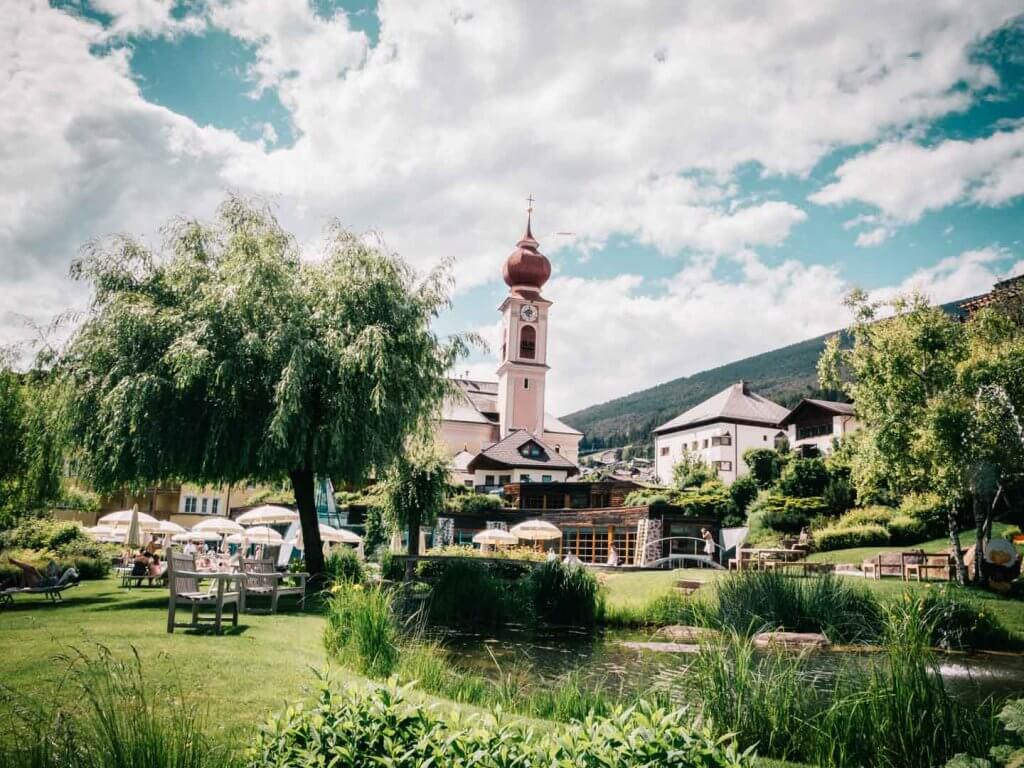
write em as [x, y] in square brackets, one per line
[564, 594]
[344, 565]
[362, 627]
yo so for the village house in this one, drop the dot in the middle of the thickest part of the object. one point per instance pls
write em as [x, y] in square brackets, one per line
[814, 426]
[718, 431]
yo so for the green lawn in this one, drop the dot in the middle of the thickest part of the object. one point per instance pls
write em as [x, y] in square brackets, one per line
[239, 677]
[858, 555]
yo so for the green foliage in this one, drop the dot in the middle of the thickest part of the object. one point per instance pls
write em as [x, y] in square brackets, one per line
[564, 594]
[743, 491]
[784, 513]
[415, 488]
[827, 539]
[804, 477]
[370, 724]
[691, 471]
[285, 367]
[712, 500]
[107, 716]
[643, 497]
[956, 622]
[1010, 752]
[468, 593]
[474, 504]
[928, 510]
[839, 494]
[344, 565]
[39, 540]
[765, 465]
[362, 625]
[753, 601]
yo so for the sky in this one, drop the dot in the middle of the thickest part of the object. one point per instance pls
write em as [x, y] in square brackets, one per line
[710, 179]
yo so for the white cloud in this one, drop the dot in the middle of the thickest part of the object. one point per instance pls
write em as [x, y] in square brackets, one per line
[147, 17]
[905, 180]
[872, 237]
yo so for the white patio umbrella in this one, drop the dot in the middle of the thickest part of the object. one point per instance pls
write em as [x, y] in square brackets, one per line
[535, 530]
[329, 535]
[104, 533]
[494, 536]
[167, 528]
[257, 535]
[199, 536]
[268, 514]
[221, 525]
[123, 519]
[133, 539]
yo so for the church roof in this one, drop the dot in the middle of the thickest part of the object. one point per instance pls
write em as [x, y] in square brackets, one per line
[476, 402]
[734, 403]
[461, 460]
[509, 453]
[551, 424]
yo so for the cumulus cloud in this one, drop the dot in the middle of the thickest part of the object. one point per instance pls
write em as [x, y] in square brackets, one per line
[148, 17]
[904, 179]
[872, 237]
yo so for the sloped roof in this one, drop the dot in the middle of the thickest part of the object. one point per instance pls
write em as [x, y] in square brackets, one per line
[841, 409]
[506, 453]
[460, 461]
[734, 403]
[476, 402]
[551, 424]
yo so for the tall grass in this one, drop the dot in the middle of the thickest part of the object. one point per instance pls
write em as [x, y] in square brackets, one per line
[894, 712]
[467, 593]
[363, 628]
[105, 715]
[565, 594]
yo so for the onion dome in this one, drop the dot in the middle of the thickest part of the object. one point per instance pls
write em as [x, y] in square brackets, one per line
[526, 266]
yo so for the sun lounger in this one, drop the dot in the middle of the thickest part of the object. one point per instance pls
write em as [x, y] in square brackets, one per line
[52, 593]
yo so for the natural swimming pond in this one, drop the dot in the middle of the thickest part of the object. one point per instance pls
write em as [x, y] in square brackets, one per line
[601, 658]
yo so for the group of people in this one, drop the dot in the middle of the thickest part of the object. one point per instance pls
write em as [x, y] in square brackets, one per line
[146, 563]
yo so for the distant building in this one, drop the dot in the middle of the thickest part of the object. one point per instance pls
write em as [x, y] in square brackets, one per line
[481, 415]
[814, 424]
[718, 431]
[519, 458]
[1004, 292]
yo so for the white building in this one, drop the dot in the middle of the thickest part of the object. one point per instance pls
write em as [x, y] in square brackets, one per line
[718, 431]
[814, 424]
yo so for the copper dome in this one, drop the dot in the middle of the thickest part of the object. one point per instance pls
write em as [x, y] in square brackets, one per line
[526, 265]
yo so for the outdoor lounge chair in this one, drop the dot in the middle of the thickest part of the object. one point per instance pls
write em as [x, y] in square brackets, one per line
[52, 593]
[183, 580]
[263, 579]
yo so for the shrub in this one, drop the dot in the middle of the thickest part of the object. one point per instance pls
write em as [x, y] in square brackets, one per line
[647, 498]
[955, 621]
[833, 537]
[691, 470]
[475, 503]
[743, 491]
[344, 565]
[874, 515]
[784, 513]
[804, 477]
[41, 533]
[765, 465]
[89, 568]
[711, 500]
[467, 593]
[370, 725]
[928, 509]
[906, 530]
[391, 568]
[839, 494]
[362, 627]
[564, 594]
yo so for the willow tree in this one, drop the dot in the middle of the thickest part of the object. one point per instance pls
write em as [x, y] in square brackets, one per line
[226, 357]
[416, 486]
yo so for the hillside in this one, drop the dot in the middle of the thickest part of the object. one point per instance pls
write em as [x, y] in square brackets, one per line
[784, 375]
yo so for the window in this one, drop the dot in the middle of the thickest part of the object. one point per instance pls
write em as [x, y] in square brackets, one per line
[545, 478]
[528, 342]
[202, 508]
[531, 450]
[190, 505]
[468, 483]
[764, 438]
[526, 383]
[723, 466]
[721, 440]
[525, 479]
[694, 446]
[813, 430]
[504, 479]
[664, 450]
[488, 479]
[558, 449]
[214, 505]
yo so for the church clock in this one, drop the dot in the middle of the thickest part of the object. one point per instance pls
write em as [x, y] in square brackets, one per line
[528, 312]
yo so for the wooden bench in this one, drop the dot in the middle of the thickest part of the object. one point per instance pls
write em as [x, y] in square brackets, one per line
[932, 567]
[887, 564]
[688, 587]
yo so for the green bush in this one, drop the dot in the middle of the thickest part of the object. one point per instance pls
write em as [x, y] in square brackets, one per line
[957, 622]
[873, 515]
[391, 568]
[345, 565]
[467, 593]
[784, 513]
[41, 533]
[474, 503]
[362, 627]
[839, 494]
[743, 491]
[371, 725]
[712, 500]
[89, 568]
[564, 594]
[827, 539]
[928, 509]
[765, 465]
[904, 529]
[804, 477]
[647, 497]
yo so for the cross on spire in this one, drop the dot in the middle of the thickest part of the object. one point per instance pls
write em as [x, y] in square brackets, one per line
[529, 217]
[530, 201]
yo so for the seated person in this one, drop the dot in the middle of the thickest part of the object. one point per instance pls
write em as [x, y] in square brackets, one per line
[30, 575]
[140, 565]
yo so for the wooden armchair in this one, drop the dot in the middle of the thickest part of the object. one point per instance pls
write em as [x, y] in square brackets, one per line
[183, 581]
[261, 578]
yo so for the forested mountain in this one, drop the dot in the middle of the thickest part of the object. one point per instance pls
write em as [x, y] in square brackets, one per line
[784, 375]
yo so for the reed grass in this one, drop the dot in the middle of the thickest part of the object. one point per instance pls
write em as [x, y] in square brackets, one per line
[105, 715]
[362, 626]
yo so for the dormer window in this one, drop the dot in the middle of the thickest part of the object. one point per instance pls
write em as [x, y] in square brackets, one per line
[528, 342]
[531, 450]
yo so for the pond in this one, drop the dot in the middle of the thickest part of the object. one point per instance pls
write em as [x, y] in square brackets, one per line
[601, 658]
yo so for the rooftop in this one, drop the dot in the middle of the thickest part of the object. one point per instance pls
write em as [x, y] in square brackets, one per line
[734, 403]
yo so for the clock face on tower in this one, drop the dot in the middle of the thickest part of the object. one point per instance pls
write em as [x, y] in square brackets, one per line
[528, 312]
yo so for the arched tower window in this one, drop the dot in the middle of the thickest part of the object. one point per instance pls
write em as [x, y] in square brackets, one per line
[528, 342]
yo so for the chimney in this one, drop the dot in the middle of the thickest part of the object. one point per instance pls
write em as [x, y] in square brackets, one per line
[743, 387]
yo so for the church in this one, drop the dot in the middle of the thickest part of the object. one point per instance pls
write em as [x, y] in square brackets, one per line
[498, 432]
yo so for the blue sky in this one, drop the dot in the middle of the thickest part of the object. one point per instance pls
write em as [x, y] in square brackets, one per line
[726, 174]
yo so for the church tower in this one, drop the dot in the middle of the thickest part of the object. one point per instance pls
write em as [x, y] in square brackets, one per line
[524, 346]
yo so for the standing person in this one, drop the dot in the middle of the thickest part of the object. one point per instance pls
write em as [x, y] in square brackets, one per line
[709, 542]
[613, 555]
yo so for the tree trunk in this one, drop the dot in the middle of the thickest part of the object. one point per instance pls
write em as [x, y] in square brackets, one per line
[954, 541]
[980, 513]
[414, 542]
[305, 498]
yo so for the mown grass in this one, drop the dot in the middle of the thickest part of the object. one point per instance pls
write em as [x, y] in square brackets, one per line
[857, 555]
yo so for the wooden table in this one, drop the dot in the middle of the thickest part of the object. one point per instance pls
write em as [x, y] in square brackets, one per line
[760, 555]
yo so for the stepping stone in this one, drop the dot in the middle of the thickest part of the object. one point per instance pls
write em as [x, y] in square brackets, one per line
[662, 647]
[798, 640]
[682, 634]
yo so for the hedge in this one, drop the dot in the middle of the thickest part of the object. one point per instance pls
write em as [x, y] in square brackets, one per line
[837, 537]
[787, 514]
[370, 725]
